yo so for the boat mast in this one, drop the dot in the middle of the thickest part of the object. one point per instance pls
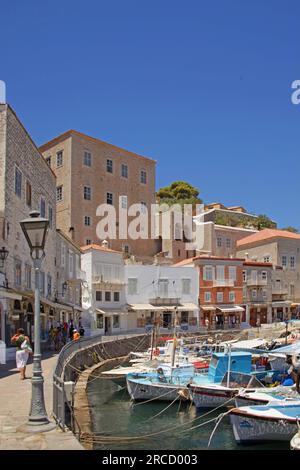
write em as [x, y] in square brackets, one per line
[174, 338]
[154, 334]
[229, 365]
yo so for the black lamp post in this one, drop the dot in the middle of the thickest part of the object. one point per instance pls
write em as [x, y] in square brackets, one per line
[35, 230]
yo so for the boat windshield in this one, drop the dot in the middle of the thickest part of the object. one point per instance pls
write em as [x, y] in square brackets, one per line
[240, 380]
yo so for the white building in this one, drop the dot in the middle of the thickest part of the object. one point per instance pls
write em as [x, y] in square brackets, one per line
[103, 296]
[70, 278]
[153, 290]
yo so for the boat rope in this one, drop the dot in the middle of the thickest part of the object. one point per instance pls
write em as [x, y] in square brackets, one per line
[152, 399]
[219, 419]
[208, 413]
[165, 409]
[104, 439]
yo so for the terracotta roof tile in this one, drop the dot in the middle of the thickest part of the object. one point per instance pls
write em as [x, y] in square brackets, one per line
[267, 234]
[94, 246]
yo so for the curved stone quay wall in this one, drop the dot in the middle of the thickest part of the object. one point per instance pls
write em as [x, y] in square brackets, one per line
[82, 361]
[76, 365]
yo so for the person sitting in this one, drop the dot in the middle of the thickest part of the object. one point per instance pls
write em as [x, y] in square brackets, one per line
[161, 375]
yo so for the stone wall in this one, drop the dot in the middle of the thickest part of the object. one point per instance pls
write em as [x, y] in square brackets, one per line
[18, 150]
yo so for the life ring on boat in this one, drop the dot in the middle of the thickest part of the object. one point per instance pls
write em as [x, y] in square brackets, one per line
[156, 352]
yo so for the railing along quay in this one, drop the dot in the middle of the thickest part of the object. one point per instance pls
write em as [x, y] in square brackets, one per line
[63, 387]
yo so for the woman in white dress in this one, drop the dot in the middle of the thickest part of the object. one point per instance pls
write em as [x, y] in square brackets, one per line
[23, 349]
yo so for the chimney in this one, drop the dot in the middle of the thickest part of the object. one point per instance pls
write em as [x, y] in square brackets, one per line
[104, 244]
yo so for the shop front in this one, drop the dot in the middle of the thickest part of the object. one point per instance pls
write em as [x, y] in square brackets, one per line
[229, 317]
[147, 314]
[258, 315]
[281, 311]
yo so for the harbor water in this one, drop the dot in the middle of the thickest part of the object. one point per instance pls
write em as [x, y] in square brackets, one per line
[114, 414]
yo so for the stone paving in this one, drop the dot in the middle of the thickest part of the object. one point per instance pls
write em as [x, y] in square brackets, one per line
[14, 408]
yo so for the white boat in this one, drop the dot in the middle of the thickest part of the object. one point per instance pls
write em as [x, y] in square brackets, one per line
[187, 378]
[265, 423]
[118, 374]
[263, 396]
[166, 384]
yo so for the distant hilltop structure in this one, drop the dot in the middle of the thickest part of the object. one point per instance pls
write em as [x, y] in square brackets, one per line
[236, 216]
[2, 92]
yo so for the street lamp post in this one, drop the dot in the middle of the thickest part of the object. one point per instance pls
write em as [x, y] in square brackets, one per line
[35, 230]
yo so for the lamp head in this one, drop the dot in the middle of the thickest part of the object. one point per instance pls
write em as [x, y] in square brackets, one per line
[35, 229]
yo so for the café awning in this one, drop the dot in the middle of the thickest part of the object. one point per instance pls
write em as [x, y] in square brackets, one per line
[184, 307]
[233, 309]
[7, 294]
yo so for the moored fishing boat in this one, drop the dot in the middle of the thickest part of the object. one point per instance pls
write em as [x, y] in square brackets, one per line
[147, 386]
[263, 396]
[265, 423]
[240, 374]
[165, 385]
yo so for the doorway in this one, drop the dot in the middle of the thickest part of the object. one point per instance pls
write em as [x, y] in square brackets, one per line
[107, 326]
[167, 320]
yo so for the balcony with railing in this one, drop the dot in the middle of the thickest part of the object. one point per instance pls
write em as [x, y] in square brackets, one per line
[257, 282]
[169, 301]
[279, 290]
[99, 279]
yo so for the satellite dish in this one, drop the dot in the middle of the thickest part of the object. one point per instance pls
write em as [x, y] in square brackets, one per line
[2, 92]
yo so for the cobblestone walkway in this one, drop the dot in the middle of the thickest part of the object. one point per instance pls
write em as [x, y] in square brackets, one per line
[14, 408]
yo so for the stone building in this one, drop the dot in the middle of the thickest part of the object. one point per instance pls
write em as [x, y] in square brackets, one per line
[282, 249]
[236, 216]
[26, 183]
[257, 292]
[215, 240]
[90, 173]
[220, 290]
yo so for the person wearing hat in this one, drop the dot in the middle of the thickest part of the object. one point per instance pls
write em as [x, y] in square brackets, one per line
[76, 335]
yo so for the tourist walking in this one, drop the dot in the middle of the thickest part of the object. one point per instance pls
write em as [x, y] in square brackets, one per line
[65, 332]
[71, 329]
[81, 331]
[23, 350]
[76, 335]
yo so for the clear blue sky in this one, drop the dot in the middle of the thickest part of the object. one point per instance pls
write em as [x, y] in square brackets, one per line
[202, 87]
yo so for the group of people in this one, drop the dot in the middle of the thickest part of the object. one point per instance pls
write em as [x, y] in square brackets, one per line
[64, 332]
[59, 335]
